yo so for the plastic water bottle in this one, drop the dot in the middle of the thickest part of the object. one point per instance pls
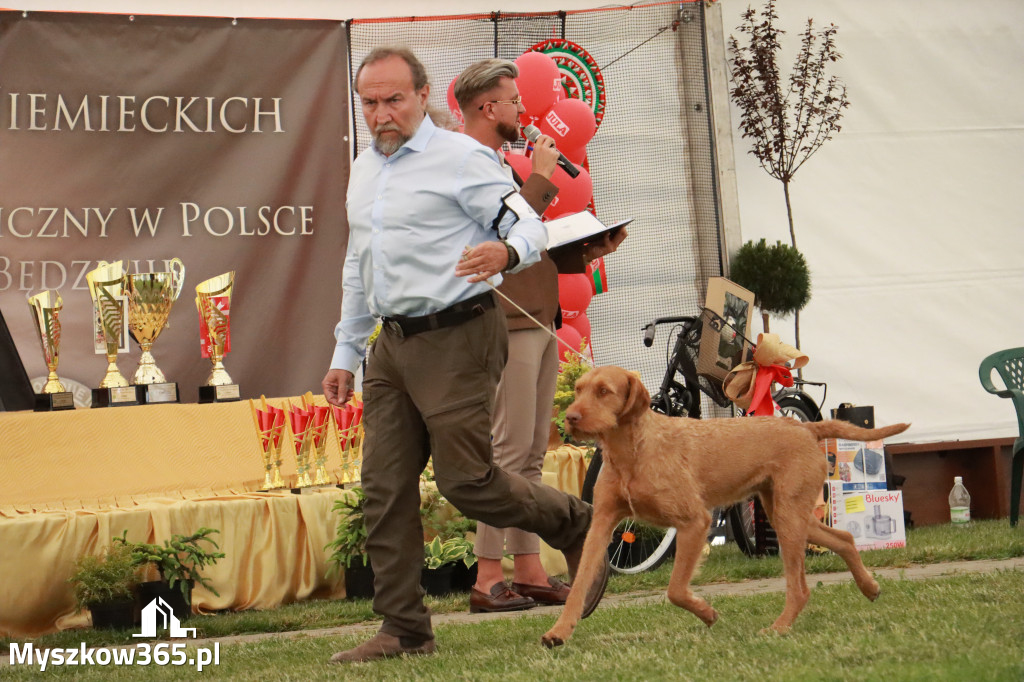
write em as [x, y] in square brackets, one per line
[959, 503]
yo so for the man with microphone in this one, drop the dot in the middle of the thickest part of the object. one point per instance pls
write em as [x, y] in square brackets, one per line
[491, 106]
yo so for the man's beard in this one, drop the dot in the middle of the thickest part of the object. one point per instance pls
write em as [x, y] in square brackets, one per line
[509, 132]
[391, 144]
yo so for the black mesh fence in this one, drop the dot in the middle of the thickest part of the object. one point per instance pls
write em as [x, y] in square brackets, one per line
[652, 158]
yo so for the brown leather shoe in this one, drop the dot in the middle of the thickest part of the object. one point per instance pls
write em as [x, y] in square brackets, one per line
[383, 645]
[500, 599]
[573, 554]
[555, 593]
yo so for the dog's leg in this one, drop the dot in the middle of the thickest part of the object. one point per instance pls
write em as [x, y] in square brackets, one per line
[690, 539]
[841, 542]
[789, 517]
[607, 514]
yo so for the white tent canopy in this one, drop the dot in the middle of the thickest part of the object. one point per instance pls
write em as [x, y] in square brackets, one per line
[909, 219]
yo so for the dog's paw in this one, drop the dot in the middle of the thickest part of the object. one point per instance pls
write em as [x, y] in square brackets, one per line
[551, 641]
[710, 619]
[876, 594]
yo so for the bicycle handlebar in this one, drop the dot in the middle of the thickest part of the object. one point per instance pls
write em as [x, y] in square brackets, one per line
[649, 328]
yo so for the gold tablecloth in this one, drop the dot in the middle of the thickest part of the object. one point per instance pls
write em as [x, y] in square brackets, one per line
[273, 542]
[110, 457]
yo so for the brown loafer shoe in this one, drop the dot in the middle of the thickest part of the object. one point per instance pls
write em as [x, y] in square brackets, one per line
[383, 645]
[556, 591]
[499, 600]
[573, 554]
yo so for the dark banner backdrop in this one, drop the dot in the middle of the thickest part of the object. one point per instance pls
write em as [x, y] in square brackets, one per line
[216, 141]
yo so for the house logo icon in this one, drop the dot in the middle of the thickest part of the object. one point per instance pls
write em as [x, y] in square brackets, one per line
[158, 615]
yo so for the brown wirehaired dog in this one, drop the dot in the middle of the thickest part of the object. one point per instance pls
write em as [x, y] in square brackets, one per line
[670, 471]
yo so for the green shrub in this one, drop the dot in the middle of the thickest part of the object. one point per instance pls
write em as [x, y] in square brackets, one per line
[104, 578]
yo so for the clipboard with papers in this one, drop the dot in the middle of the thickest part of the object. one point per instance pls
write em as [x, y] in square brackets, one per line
[582, 227]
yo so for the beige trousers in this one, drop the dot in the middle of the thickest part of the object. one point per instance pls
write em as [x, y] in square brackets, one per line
[522, 424]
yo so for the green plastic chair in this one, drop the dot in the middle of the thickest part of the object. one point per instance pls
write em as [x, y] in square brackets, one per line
[1010, 365]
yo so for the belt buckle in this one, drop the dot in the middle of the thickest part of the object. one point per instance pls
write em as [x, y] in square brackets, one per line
[395, 328]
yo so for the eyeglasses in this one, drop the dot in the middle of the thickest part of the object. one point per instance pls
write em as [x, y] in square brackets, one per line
[517, 101]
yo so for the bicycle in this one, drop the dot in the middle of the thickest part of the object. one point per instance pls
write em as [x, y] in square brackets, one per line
[637, 547]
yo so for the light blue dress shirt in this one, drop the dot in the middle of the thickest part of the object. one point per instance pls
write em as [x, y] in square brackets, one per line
[410, 217]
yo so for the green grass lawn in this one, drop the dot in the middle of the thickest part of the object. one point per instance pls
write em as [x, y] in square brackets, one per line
[964, 627]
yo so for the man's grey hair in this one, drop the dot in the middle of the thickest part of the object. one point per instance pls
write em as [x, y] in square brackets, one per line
[480, 77]
[419, 72]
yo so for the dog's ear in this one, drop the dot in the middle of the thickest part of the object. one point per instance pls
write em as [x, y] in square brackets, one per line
[638, 400]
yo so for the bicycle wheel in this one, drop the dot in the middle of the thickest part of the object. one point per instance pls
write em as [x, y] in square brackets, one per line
[750, 529]
[798, 408]
[741, 526]
[635, 546]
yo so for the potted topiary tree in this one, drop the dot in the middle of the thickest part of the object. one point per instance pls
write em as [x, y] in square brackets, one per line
[178, 561]
[105, 584]
[348, 549]
[777, 275]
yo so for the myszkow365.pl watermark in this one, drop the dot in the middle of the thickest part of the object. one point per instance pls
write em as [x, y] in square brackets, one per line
[156, 616]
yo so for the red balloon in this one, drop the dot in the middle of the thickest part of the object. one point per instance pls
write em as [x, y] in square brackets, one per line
[580, 323]
[539, 82]
[571, 338]
[521, 164]
[571, 122]
[453, 105]
[574, 294]
[577, 155]
[574, 194]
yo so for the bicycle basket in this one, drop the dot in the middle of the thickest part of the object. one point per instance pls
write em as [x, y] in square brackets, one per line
[689, 360]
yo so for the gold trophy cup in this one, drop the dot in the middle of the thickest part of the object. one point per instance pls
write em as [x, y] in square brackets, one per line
[107, 288]
[213, 300]
[150, 298]
[46, 307]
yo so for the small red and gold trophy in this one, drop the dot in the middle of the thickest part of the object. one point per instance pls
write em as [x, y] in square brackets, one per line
[302, 440]
[321, 424]
[269, 429]
[348, 430]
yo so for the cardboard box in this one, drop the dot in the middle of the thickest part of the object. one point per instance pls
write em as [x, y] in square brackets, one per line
[723, 342]
[873, 517]
[855, 465]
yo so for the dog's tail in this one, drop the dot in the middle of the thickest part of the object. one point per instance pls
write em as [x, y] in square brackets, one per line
[834, 428]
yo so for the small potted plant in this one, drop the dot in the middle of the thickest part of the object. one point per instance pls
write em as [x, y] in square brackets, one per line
[439, 559]
[105, 584]
[178, 561]
[349, 545]
[442, 520]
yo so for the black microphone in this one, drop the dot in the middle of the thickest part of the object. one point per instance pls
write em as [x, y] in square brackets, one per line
[532, 132]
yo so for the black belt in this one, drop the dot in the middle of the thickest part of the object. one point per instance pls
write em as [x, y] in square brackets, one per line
[463, 311]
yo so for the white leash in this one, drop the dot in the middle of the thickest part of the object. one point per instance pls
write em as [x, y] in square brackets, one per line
[546, 328]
